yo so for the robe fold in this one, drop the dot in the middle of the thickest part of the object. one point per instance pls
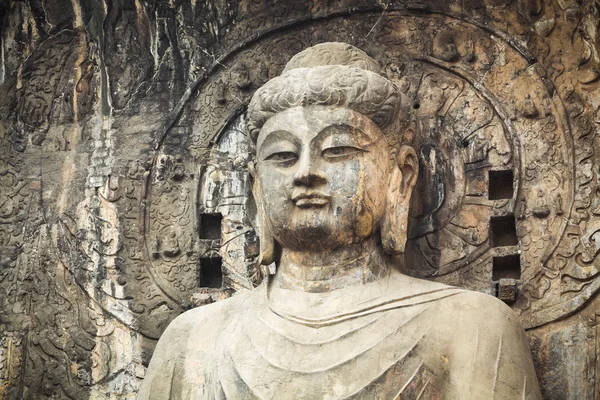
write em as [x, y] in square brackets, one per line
[399, 338]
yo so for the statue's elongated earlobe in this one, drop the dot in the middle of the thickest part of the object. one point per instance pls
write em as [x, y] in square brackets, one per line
[403, 177]
[267, 242]
[393, 230]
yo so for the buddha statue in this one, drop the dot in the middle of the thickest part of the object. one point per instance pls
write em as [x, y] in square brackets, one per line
[335, 318]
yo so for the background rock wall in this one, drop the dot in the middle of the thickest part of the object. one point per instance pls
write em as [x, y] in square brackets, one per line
[124, 194]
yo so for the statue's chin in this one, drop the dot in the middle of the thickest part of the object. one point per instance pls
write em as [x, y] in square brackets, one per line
[305, 237]
[315, 238]
[315, 230]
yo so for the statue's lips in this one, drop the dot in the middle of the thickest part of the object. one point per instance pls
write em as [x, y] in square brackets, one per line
[307, 200]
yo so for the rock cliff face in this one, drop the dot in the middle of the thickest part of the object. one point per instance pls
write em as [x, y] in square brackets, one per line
[124, 191]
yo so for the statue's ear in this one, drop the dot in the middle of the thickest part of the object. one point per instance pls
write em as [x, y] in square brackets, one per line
[267, 242]
[403, 177]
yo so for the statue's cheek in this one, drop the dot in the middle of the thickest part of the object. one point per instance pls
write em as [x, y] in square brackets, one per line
[345, 179]
[352, 214]
[372, 195]
[276, 185]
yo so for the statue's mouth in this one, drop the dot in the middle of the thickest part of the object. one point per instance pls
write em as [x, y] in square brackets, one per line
[310, 199]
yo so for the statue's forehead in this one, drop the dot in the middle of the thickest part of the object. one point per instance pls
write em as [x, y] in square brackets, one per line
[307, 122]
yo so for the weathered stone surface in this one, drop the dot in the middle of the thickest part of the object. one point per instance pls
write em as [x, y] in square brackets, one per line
[507, 290]
[332, 180]
[122, 153]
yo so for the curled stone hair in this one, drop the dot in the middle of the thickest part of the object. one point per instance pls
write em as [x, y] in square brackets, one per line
[333, 74]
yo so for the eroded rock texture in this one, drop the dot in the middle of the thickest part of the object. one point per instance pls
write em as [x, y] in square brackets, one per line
[124, 191]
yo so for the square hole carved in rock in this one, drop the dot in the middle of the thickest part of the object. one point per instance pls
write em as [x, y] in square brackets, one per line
[211, 273]
[503, 231]
[506, 267]
[210, 226]
[500, 185]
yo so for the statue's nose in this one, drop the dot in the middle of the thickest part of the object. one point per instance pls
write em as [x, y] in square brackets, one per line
[308, 174]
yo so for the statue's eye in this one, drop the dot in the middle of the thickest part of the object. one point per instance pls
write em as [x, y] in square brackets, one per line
[339, 151]
[285, 157]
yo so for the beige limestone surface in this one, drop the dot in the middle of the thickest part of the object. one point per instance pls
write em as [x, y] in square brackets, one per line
[332, 179]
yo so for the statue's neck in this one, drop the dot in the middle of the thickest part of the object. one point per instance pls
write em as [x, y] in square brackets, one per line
[319, 272]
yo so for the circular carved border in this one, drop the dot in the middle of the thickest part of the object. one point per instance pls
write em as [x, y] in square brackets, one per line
[462, 238]
[211, 108]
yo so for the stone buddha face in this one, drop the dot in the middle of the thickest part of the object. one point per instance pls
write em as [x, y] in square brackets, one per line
[326, 173]
[323, 176]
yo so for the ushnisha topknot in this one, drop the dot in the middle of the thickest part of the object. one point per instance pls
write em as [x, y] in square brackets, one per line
[332, 53]
[333, 74]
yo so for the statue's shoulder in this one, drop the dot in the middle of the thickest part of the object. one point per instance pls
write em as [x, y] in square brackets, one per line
[206, 319]
[487, 347]
[483, 311]
[184, 347]
[475, 302]
[453, 302]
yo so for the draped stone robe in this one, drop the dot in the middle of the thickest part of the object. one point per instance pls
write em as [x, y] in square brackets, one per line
[398, 338]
